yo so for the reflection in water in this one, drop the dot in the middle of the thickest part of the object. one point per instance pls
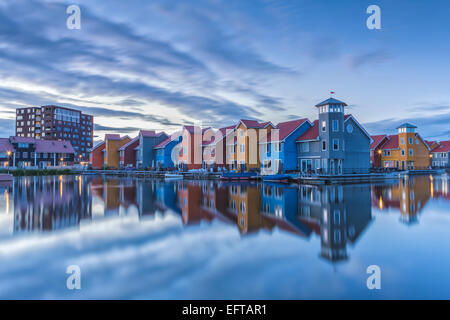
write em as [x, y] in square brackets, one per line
[410, 195]
[338, 214]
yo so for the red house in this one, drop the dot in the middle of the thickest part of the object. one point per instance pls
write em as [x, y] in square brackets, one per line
[127, 153]
[96, 158]
[376, 149]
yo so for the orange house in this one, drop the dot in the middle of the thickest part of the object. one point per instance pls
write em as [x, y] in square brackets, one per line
[113, 142]
[405, 150]
[248, 135]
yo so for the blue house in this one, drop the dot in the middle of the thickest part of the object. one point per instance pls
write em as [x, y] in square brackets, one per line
[145, 156]
[278, 150]
[163, 152]
[335, 144]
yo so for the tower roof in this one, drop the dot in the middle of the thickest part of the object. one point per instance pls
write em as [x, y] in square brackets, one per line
[331, 101]
[407, 125]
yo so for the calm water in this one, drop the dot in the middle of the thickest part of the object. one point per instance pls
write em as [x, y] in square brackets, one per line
[147, 239]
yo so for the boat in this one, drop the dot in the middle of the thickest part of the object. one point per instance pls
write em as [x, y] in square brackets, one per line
[6, 177]
[238, 175]
[277, 177]
[173, 176]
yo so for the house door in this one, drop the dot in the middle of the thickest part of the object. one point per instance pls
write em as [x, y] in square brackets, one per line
[403, 164]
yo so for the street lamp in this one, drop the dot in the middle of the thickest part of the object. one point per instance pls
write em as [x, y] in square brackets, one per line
[9, 154]
[61, 161]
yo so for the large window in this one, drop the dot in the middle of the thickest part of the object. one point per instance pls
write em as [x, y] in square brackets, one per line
[335, 144]
[335, 125]
[324, 126]
[304, 146]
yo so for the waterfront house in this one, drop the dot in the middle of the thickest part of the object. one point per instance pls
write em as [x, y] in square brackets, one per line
[190, 152]
[111, 154]
[148, 139]
[405, 150]
[335, 143]
[214, 148]
[127, 153]
[440, 155]
[278, 149]
[6, 153]
[96, 156]
[165, 152]
[376, 151]
[248, 135]
[29, 152]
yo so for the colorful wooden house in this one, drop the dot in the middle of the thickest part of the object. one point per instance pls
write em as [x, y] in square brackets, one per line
[214, 148]
[190, 154]
[113, 142]
[96, 156]
[248, 135]
[405, 150]
[148, 139]
[440, 154]
[127, 154]
[278, 149]
[166, 153]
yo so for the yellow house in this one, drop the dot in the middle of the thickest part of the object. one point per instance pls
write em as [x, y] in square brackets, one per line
[111, 152]
[248, 135]
[405, 150]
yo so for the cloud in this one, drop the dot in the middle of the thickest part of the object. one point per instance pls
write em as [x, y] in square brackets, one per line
[368, 58]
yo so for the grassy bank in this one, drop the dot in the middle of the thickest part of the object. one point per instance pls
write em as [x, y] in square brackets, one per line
[37, 172]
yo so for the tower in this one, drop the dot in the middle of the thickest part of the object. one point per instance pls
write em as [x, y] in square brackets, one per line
[331, 135]
[406, 143]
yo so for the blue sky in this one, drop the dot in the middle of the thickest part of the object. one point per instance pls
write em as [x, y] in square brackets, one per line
[161, 63]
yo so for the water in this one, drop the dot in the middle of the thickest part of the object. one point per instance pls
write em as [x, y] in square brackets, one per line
[137, 239]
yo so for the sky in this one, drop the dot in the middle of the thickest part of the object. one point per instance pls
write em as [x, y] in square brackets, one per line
[163, 63]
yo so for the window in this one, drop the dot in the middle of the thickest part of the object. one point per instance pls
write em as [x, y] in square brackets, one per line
[387, 153]
[242, 206]
[337, 216]
[241, 132]
[324, 145]
[403, 152]
[411, 152]
[277, 147]
[402, 141]
[324, 126]
[335, 125]
[410, 140]
[241, 148]
[304, 146]
[335, 144]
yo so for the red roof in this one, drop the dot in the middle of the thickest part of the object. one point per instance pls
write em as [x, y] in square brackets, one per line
[5, 145]
[128, 144]
[392, 142]
[284, 130]
[444, 146]
[310, 134]
[377, 140]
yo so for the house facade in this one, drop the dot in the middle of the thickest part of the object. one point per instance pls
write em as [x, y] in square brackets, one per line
[214, 146]
[148, 139]
[165, 152]
[405, 150]
[190, 152]
[96, 156]
[6, 153]
[278, 149]
[113, 142]
[440, 155]
[376, 150]
[248, 135]
[335, 143]
[127, 154]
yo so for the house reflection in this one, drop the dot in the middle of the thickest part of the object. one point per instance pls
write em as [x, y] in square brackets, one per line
[50, 203]
[410, 195]
[338, 213]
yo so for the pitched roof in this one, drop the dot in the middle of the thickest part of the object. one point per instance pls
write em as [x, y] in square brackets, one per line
[126, 145]
[254, 124]
[284, 130]
[444, 146]
[5, 145]
[98, 145]
[406, 125]
[310, 134]
[430, 143]
[192, 129]
[218, 135]
[330, 101]
[112, 136]
[392, 142]
[377, 140]
[151, 133]
[54, 146]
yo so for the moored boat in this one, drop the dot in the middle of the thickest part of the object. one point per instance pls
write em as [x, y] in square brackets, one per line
[277, 177]
[238, 175]
[173, 176]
